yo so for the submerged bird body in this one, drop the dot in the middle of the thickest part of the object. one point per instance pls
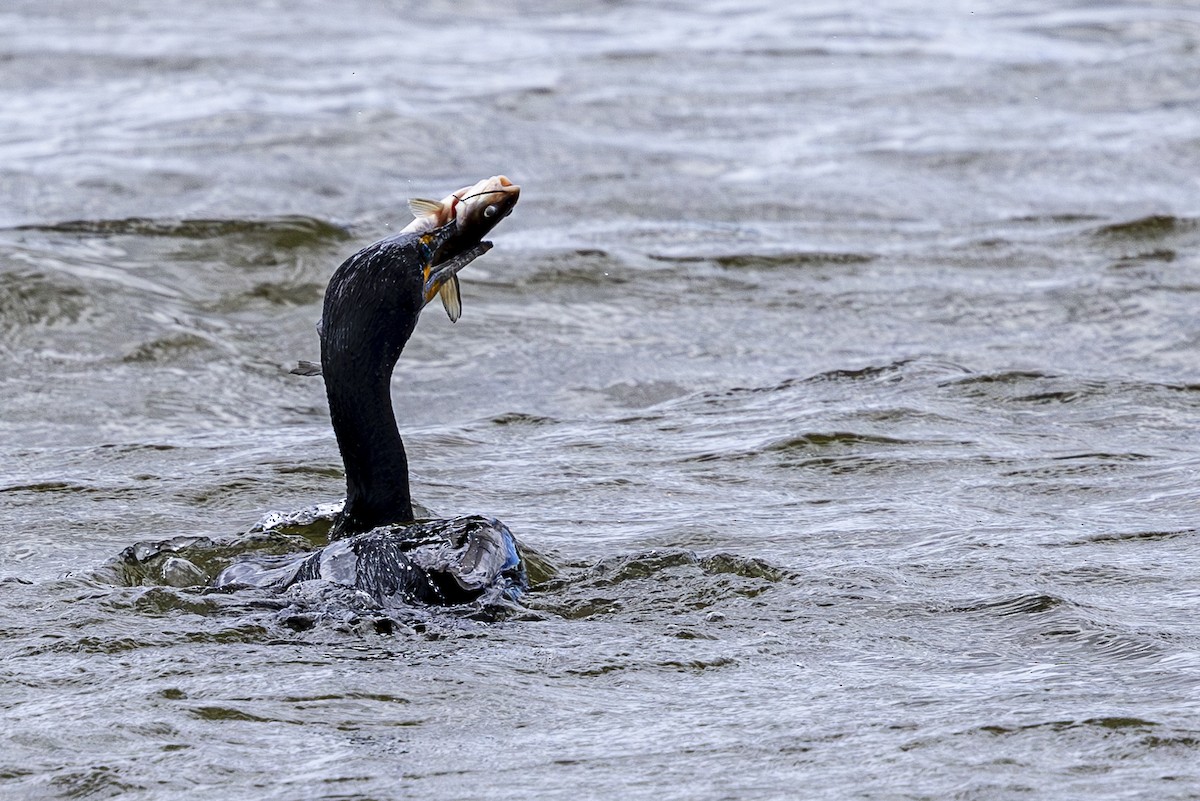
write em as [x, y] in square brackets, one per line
[435, 562]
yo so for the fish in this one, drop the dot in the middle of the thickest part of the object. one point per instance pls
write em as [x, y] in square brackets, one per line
[451, 231]
[475, 210]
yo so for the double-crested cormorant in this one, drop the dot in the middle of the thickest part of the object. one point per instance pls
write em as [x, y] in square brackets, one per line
[371, 308]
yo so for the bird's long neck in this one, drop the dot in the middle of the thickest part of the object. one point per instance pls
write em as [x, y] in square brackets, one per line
[376, 466]
[371, 308]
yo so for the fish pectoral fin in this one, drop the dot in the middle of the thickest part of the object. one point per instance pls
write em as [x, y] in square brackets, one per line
[421, 207]
[452, 298]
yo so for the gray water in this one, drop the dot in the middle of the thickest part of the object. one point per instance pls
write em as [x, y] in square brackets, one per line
[843, 360]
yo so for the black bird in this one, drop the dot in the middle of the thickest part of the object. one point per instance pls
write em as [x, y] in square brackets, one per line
[371, 307]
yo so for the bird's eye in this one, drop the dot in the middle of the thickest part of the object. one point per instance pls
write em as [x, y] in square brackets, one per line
[490, 211]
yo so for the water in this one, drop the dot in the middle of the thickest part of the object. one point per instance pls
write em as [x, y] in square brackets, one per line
[842, 361]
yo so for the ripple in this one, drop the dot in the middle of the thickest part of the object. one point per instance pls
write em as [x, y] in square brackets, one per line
[1155, 226]
[286, 232]
[674, 581]
[1071, 629]
[96, 782]
[1032, 604]
[584, 267]
[818, 441]
[1139, 536]
[34, 299]
[903, 370]
[1003, 377]
[522, 419]
[48, 486]
[171, 348]
[770, 261]
[278, 293]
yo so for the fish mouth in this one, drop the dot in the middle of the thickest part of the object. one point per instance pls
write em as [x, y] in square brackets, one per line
[497, 183]
[507, 201]
[487, 189]
[512, 193]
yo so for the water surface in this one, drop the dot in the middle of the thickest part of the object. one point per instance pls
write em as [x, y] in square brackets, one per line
[842, 361]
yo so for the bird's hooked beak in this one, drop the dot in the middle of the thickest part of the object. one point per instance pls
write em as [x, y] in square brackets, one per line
[436, 275]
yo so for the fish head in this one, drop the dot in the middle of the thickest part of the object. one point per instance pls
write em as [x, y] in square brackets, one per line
[457, 224]
[474, 210]
[480, 207]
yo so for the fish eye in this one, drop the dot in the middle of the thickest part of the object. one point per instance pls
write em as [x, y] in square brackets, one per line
[490, 211]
